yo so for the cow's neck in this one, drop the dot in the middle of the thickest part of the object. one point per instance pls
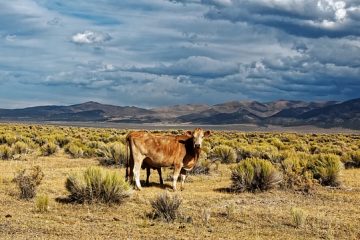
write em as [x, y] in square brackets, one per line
[192, 154]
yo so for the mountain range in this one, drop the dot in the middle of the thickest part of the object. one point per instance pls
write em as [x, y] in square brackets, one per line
[282, 112]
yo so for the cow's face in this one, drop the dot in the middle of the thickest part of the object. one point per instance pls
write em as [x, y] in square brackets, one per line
[198, 135]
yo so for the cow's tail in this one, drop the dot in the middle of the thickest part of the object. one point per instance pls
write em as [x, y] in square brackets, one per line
[127, 164]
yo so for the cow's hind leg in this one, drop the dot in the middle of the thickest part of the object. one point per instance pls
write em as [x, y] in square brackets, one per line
[137, 167]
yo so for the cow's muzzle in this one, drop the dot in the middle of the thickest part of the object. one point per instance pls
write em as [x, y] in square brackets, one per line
[197, 145]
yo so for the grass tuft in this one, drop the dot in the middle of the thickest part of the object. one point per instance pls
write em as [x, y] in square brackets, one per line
[326, 168]
[28, 181]
[112, 153]
[166, 207]
[97, 185]
[224, 153]
[254, 174]
[5, 152]
[42, 203]
[298, 217]
[48, 149]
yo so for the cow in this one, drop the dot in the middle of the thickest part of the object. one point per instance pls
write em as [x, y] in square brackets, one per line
[178, 151]
[148, 172]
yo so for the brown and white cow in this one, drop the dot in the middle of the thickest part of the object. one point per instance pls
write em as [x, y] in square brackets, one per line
[180, 152]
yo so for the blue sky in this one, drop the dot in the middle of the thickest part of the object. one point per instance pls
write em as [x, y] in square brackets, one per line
[158, 52]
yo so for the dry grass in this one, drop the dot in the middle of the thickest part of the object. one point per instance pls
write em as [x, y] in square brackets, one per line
[332, 213]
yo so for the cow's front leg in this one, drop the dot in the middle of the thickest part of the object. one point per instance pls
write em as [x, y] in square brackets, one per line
[177, 170]
[183, 177]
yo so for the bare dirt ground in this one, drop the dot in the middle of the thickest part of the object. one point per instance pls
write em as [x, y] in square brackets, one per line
[332, 213]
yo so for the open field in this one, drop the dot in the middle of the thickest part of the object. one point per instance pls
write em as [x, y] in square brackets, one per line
[332, 211]
[218, 127]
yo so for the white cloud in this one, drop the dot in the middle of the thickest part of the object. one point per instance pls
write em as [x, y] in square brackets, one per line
[89, 37]
[198, 66]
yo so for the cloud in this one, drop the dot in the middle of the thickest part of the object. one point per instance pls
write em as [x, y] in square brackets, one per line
[308, 18]
[151, 53]
[196, 66]
[90, 37]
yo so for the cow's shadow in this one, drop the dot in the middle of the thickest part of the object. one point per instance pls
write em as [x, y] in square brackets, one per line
[154, 184]
[224, 190]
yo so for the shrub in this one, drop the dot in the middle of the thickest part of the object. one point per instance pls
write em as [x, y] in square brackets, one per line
[351, 159]
[5, 152]
[7, 139]
[166, 206]
[42, 203]
[113, 153]
[254, 174]
[97, 185]
[326, 168]
[49, 149]
[296, 174]
[298, 216]
[20, 148]
[224, 153]
[28, 181]
[355, 158]
[74, 150]
[277, 143]
[61, 140]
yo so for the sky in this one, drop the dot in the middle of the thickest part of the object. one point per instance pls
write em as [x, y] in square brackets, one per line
[151, 53]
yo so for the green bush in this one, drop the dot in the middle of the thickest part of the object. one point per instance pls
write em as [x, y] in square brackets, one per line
[97, 185]
[49, 149]
[20, 148]
[326, 168]
[5, 152]
[224, 153]
[296, 174]
[28, 181]
[8, 139]
[254, 174]
[112, 153]
[277, 143]
[351, 159]
[61, 140]
[74, 150]
[166, 207]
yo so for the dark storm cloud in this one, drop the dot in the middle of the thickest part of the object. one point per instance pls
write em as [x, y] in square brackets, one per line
[309, 18]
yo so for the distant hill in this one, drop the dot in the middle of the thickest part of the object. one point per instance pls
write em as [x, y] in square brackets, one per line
[281, 112]
[88, 111]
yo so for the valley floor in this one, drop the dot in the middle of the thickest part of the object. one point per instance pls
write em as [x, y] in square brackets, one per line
[332, 213]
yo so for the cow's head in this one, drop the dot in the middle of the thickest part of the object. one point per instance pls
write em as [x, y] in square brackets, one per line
[198, 135]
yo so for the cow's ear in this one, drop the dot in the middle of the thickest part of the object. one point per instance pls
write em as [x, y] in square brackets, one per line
[207, 133]
[189, 133]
